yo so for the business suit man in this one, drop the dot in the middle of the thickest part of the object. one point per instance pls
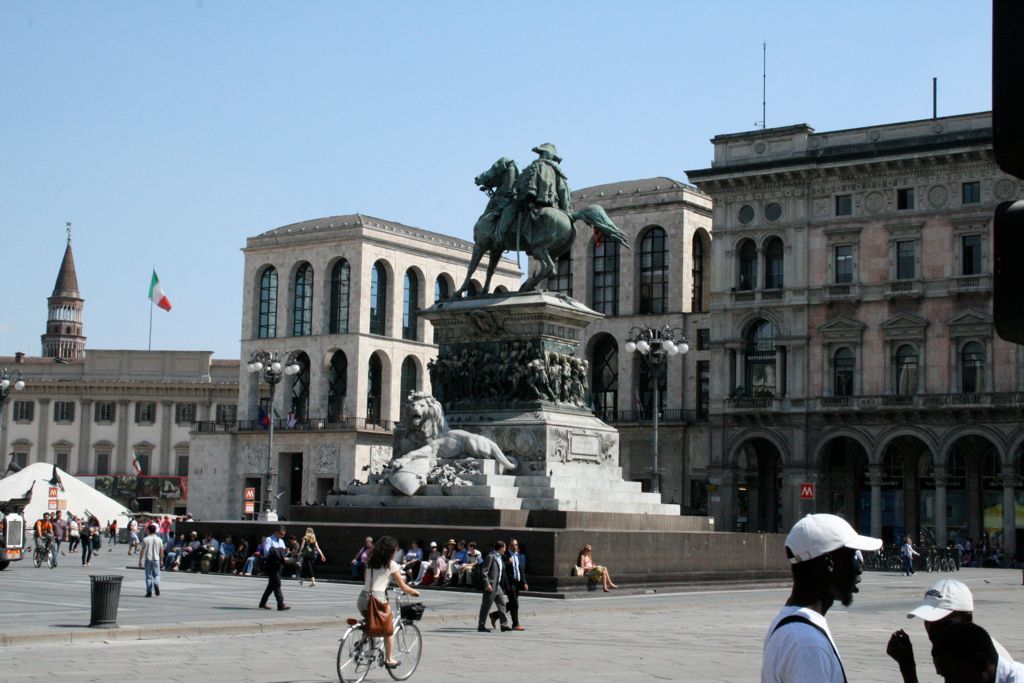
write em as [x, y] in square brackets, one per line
[494, 574]
[515, 581]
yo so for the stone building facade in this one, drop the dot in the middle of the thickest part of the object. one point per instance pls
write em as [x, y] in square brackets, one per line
[852, 339]
[659, 281]
[342, 295]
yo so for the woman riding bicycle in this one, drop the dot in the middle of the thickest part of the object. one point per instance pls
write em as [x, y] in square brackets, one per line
[380, 569]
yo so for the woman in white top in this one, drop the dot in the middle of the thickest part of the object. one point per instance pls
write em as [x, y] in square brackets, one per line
[381, 569]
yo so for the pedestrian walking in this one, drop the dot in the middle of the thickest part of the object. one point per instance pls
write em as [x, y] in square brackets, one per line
[515, 566]
[308, 554]
[798, 645]
[151, 557]
[493, 593]
[133, 536]
[74, 532]
[908, 554]
[89, 539]
[60, 534]
[112, 536]
[274, 552]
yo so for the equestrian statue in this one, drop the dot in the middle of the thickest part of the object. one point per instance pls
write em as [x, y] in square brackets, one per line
[532, 212]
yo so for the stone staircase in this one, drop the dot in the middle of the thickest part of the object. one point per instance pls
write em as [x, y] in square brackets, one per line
[573, 487]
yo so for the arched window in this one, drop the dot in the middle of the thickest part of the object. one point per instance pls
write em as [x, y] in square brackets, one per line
[268, 304]
[561, 280]
[654, 272]
[302, 318]
[972, 365]
[337, 386]
[374, 390]
[410, 380]
[760, 359]
[410, 304]
[441, 289]
[906, 370]
[341, 281]
[773, 263]
[606, 278]
[748, 266]
[378, 298]
[605, 377]
[697, 273]
[843, 364]
[300, 388]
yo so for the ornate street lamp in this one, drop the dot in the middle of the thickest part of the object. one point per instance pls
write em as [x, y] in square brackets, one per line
[655, 346]
[8, 382]
[273, 369]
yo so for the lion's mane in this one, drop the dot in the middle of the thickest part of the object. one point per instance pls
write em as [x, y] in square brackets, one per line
[433, 424]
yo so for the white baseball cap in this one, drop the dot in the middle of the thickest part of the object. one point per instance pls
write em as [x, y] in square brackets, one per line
[942, 599]
[817, 535]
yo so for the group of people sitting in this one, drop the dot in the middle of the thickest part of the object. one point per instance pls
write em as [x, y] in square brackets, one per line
[451, 565]
[207, 553]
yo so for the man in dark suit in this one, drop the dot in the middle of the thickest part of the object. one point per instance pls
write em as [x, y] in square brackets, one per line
[494, 578]
[515, 581]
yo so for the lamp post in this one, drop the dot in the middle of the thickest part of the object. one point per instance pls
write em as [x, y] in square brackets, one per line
[7, 382]
[270, 365]
[656, 346]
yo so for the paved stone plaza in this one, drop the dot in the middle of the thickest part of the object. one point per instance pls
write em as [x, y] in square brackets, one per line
[704, 636]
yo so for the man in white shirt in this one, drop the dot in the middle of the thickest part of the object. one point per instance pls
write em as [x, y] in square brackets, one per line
[946, 602]
[274, 551]
[799, 647]
[965, 653]
[152, 555]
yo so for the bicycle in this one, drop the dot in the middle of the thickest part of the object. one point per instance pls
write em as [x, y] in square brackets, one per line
[359, 652]
[44, 554]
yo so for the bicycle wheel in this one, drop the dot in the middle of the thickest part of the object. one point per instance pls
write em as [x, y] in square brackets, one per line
[51, 559]
[355, 656]
[407, 651]
[37, 559]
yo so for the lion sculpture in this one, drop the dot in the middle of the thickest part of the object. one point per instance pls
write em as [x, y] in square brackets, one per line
[423, 441]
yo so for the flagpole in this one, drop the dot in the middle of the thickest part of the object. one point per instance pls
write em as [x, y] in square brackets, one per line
[149, 345]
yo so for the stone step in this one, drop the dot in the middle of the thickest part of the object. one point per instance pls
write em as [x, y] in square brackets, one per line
[599, 506]
[578, 483]
[638, 497]
[436, 502]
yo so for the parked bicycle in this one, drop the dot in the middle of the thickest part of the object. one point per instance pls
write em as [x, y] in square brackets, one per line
[359, 652]
[45, 553]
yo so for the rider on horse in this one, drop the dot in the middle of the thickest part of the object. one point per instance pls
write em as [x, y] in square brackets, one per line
[541, 184]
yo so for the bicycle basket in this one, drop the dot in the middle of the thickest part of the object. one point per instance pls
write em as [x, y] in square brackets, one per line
[412, 611]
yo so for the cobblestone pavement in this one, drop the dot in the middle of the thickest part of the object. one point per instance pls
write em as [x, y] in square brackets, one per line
[706, 636]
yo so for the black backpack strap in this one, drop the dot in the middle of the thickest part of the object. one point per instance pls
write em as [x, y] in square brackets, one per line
[797, 618]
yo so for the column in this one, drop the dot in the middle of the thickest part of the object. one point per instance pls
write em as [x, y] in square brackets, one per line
[721, 502]
[45, 416]
[793, 507]
[85, 435]
[1009, 511]
[161, 462]
[875, 480]
[119, 461]
[941, 530]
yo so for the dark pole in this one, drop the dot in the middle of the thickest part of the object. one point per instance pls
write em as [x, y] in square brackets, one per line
[935, 98]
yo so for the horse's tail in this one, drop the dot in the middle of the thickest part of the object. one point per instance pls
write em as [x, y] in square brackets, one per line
[595, 217]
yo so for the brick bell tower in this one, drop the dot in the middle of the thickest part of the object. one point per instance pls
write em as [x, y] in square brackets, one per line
[63, 338]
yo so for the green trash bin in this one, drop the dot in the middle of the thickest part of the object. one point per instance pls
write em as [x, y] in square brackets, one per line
[106, 593]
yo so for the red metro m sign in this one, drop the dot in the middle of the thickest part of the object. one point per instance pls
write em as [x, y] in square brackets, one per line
[807, 491]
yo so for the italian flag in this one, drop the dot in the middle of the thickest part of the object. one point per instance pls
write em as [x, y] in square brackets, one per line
[156, 293]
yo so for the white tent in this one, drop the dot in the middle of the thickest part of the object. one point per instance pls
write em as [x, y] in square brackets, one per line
[33, 482]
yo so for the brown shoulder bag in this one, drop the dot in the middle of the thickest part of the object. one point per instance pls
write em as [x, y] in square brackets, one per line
[378, 615]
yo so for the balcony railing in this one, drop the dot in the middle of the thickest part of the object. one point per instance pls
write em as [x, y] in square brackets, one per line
[922, 401]
[969, 284]
[666, 416]
[310, 424]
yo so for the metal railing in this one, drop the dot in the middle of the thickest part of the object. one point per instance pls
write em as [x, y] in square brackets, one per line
[674, 415]
[308, 424]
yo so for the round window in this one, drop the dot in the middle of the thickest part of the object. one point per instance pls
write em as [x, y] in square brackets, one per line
[746, 213]
[773, 211]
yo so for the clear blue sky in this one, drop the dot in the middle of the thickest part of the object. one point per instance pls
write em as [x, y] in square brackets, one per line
[169, 132]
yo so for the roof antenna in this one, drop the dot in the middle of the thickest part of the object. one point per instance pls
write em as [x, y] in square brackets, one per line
[935, 97]
[764, 82]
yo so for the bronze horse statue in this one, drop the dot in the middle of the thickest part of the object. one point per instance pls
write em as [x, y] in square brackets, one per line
[550, 234]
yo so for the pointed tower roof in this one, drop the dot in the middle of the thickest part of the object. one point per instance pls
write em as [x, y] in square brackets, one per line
[67, 279]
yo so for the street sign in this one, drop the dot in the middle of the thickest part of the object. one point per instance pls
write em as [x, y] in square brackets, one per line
[807, 491]
[250, 507]
[53, 492]
[250, 493]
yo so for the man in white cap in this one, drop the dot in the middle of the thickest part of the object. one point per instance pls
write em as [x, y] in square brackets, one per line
[799, 647]
[946, 602]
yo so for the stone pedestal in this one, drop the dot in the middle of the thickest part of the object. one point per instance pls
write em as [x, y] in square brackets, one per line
[509, 368]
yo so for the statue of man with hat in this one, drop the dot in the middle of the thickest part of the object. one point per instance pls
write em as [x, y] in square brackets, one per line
[541, 184]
